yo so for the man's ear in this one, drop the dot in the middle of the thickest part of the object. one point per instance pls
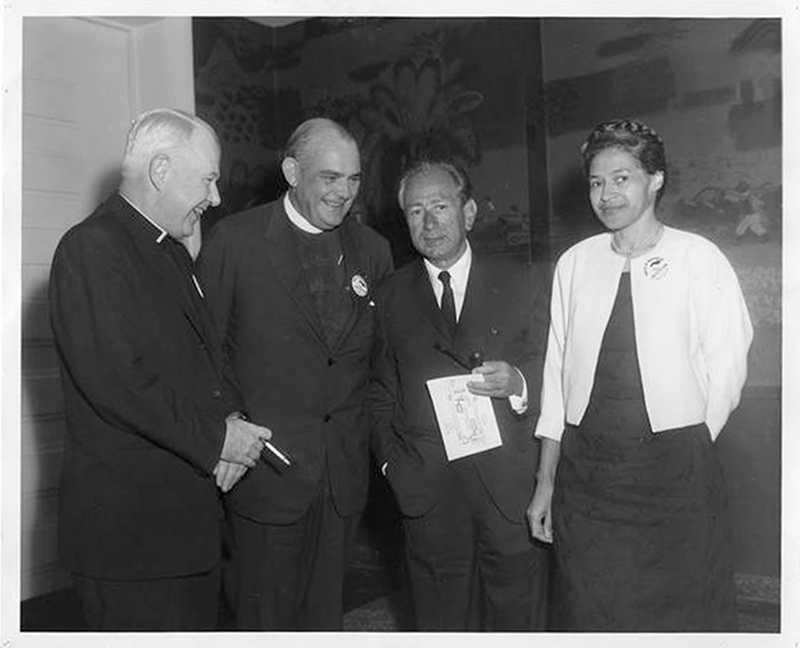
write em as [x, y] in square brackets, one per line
[158, 170]
[470, 213]
[291, 170]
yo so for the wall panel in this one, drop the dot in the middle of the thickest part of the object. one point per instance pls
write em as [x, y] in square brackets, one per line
[84, 80]
[67, 91]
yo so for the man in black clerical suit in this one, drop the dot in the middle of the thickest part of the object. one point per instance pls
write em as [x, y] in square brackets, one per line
[150, 407]
[470, 558]
[290, 285]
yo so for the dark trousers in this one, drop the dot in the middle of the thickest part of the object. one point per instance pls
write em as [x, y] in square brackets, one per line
[185, 604]
[291, 576]
[470, 567]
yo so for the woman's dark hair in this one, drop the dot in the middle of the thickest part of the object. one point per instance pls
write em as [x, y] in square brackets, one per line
[634, 137]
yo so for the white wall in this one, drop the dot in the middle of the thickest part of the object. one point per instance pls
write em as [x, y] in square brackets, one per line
[84, 80]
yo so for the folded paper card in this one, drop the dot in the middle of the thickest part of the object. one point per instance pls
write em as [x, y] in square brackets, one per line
[466, 422]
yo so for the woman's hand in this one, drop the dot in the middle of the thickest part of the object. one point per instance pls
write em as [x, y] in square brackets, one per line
[539, 512]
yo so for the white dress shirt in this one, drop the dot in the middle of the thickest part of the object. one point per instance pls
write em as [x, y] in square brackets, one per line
[459, 276]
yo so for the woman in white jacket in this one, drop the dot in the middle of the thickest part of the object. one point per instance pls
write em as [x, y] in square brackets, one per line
[646, 359]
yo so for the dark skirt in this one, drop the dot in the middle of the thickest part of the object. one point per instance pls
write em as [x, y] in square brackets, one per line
[642, 540]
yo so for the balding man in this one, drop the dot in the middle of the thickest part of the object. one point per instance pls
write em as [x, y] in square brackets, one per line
[290, 286]
[150, 409]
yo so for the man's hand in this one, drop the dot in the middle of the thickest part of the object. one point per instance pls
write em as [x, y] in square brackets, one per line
[228, 474]
[500, 380]
[243, 441]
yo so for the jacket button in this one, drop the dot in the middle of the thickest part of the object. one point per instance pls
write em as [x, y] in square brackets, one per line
[327, 418]
[216, 393]
[331, 362]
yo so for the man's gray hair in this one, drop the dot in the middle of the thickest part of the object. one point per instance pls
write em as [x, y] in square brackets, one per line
[158, 130]
[459, 176]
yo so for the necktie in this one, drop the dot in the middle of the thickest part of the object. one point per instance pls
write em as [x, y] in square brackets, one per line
[448, 303]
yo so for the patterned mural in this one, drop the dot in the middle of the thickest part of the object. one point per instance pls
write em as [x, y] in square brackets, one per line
[721, 123]
[407, 87]
[404, 87]
[235, 68]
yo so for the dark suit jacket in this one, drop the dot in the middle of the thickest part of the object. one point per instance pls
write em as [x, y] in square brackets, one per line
[145, 399]
[311, 394]
[504, 316]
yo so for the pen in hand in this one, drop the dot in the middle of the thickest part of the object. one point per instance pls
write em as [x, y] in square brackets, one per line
[282, 457]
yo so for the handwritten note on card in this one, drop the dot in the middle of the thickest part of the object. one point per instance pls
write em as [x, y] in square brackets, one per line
[466, 422]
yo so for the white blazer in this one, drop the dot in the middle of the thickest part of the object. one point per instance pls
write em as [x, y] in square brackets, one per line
[693, 331]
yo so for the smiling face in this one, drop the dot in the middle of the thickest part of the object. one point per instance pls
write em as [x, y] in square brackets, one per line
[437, 219]
[324, 179]
[622, 193]
[190, 185]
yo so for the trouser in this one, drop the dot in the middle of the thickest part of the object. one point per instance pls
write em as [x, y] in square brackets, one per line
[471, 568]
[184, 603]
[291, 576]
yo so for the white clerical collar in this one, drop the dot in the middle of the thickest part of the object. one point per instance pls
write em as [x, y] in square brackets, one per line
[297, 218]
[162, 232]
[459, 271]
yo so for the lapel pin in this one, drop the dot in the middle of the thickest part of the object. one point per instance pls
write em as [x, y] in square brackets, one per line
[359, 285]
[656, 268]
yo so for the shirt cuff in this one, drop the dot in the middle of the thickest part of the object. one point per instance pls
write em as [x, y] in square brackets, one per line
[520, 403]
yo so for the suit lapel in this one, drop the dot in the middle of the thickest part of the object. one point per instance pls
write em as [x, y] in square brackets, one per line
[473, 322]
[176, 283]
[171, 281]
[193, 302]
[282, 254]
[356, 266]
